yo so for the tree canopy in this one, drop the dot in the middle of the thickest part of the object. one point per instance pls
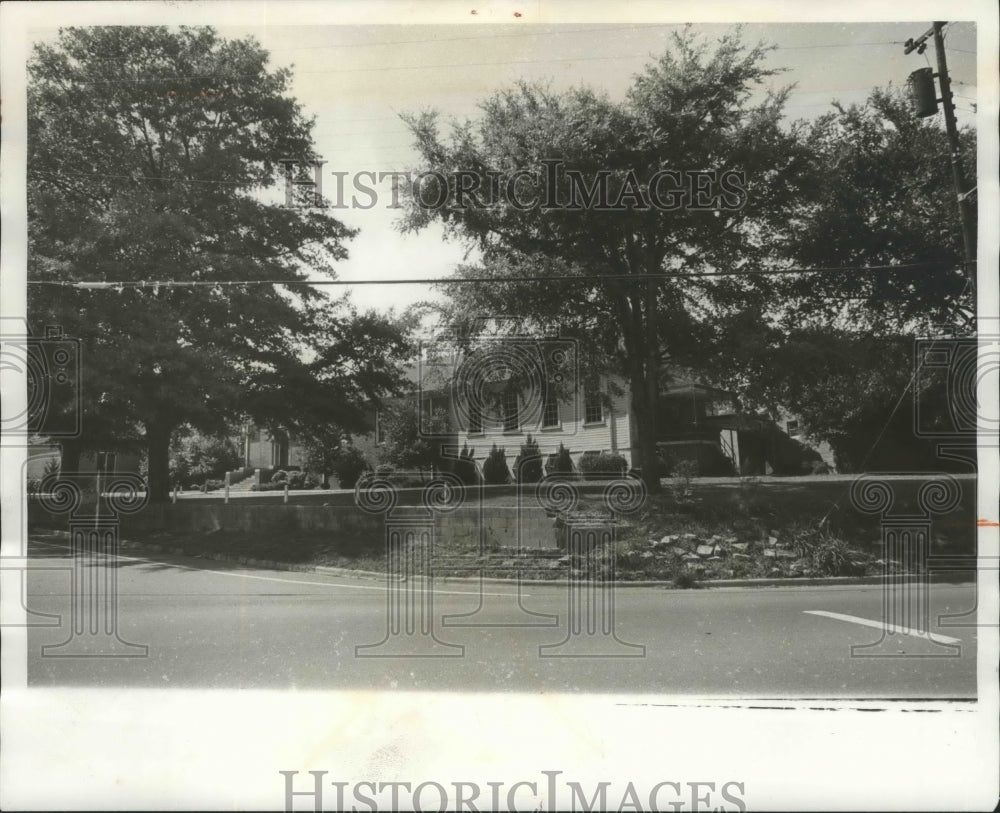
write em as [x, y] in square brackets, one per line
[685, 123]
[150, 151]
[838, 349]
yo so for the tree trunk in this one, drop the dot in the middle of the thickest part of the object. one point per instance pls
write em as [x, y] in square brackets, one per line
[645, 435]
[70, 452]
[158, 451]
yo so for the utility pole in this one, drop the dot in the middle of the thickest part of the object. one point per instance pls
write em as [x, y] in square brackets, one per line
[967, 214]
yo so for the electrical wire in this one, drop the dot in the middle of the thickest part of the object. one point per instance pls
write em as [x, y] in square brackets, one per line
[121, 284]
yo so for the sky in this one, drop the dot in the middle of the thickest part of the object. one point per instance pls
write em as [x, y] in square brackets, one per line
[356, 80]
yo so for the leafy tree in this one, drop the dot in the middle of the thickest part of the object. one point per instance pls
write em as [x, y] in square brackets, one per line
[147, 151]
[410, 445]
[195, 458]
[349, 464]
[837, 349]
[687, 111]
[882, 195]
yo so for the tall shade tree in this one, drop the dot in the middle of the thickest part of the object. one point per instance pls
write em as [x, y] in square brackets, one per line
[148, 150]
[838, 348]
[883, 195]
[690, 111]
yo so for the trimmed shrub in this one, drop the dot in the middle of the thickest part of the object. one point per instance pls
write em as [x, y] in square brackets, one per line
[348, 465]
[528, 465]
[602, 466]
[465, 467]
[400, 480]
[279, 476]
[560, 463]
[495, 471]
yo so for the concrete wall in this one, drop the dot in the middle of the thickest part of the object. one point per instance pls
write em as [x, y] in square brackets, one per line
[501, 523]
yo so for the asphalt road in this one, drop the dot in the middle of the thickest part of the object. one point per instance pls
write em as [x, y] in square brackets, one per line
[212, 625]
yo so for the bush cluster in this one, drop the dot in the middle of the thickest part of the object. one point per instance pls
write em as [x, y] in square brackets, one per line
[465, 467]
[560, 463]
[349, 463]
[495, 471]
[528, 465]
[602, 466]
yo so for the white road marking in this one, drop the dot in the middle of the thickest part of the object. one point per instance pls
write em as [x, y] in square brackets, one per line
[881, 625]
[291, 581]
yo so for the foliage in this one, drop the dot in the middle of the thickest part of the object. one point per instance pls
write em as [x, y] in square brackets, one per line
[688, 109]
[681, 488]
[839, 349]
[400, 479]
[349, 464]
[602, 465]
[158, 178]
[854, 391]
[528, 464]
[708, 458]
[560, 464]
[893, 203]
[495, 471]
[828, 554]
[195, 458]
[465, 466]
[413, 441]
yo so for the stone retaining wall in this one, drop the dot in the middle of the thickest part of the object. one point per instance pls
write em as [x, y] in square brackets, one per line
[500, 523]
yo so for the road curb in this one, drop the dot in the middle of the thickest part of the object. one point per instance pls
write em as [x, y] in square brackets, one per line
[812, 581]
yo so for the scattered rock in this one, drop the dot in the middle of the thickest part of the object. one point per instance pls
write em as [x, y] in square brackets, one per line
[705, 550]
[772, 541]
[741, 556]
[785, 553]
[769, 554]
[714, 559]
[740, 546]
[690, 557]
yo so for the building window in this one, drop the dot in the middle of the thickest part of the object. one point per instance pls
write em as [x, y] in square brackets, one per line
[511, 420]
[550, 410]
[593, 409]
[475, 420]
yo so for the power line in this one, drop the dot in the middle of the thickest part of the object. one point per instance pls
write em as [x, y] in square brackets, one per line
[381, 68]
[121, 284]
